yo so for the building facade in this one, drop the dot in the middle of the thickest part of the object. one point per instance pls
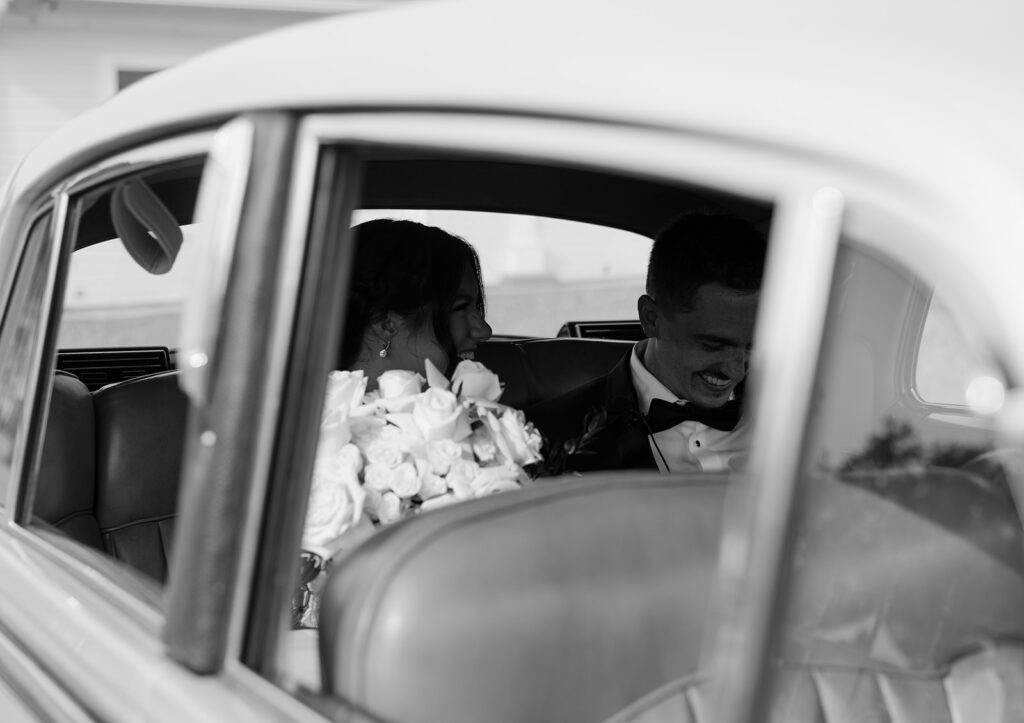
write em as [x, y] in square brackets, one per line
[59, 58]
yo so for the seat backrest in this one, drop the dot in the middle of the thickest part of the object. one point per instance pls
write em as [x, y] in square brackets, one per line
[564, 601]
[140, 433]
[908, 605]
[534, 370]
[981, 685]
[65, 493]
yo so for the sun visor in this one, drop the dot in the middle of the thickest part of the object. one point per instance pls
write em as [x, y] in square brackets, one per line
[149, 232]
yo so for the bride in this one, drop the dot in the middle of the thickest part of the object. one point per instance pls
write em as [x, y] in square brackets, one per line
[415, 301]
[416, 294]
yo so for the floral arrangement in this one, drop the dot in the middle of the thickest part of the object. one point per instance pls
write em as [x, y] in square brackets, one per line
[402, 450]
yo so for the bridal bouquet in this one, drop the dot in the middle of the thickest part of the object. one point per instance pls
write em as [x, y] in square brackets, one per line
[413, 445]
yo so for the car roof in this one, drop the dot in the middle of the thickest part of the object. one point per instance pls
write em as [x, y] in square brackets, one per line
[904, 82]
[920, 95]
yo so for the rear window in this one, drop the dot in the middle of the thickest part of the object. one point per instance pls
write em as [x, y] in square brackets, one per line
[540, 273]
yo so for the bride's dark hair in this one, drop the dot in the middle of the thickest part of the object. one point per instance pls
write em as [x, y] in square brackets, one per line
[411, 269]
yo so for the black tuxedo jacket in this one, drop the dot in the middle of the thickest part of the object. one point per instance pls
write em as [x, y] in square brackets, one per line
[595, 427]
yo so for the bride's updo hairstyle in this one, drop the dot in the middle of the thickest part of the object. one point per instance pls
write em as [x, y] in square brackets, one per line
[411, 269]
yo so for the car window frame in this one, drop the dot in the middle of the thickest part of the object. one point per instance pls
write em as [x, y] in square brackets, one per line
[692, 158]
[135, 598]
[892, 228]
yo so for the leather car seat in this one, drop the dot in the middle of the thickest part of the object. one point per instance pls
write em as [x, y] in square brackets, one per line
[65, 492]
[140, 434]
[561, 602]
[110, 467]
[534, 370]
[908, 606]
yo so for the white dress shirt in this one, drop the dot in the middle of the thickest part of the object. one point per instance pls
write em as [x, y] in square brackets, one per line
[690, 446]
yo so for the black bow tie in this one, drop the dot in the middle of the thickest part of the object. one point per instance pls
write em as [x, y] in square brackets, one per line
[665, 415]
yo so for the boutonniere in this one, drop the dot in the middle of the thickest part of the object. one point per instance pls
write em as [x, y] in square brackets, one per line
[557, 454]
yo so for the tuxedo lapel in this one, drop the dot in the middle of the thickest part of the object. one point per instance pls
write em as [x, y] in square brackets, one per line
[595, 427]
[628, 446]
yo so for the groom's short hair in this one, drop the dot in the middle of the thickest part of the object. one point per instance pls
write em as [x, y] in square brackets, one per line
[700, 248]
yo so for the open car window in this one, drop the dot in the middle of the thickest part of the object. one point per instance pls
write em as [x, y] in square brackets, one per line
[111, 301]
[111, 451]
[558, 242]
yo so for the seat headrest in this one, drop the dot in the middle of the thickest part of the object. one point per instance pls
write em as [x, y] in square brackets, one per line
[558, 602]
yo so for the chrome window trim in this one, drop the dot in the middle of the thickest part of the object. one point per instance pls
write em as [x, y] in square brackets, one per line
[219, 207]
[21, 441]
[191, 144]
[281, 324]
[7, 511]
[21, 673]
[807, 230]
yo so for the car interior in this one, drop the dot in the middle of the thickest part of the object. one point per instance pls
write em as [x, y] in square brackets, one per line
[906, 605]
[104, 399]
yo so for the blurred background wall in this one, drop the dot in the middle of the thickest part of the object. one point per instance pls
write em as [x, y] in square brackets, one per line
[58, 58]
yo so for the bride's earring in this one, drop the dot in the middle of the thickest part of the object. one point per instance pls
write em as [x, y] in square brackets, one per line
[383, 353]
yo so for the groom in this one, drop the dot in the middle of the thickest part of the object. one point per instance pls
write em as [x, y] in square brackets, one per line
[674, 402]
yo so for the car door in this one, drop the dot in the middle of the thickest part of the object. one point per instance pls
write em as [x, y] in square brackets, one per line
[91, 472]
[334, 154]
[839, 238]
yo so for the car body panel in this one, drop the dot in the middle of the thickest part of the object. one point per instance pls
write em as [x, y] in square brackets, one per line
[942, 125]
[795, 106]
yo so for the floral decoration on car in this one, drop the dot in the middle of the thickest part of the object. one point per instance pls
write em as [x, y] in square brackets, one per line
[411, 446]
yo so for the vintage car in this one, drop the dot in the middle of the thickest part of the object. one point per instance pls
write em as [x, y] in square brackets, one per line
[174, 283]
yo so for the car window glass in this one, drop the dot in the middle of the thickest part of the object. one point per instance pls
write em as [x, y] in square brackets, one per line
[19, 339]
[111, 301]
[543, 272]
[907, 559]
[395, 515]
[111, 456]
[945, 365]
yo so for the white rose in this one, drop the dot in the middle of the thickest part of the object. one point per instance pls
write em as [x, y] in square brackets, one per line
[397, 388]
[517, 440]
[378, 477]
[483, 445]
[405, 481]
[440, 501]
[349, 456]
[435, 379]
[345, 391]
[389, 508]
[431, 486]
[335, 502]
[501, 478]
[522, 436]
[438, 415]
[386, 451]
[365, 429]
[441, 453]
[472, 380]
[371, 499]
[460, 478]
[335, 433]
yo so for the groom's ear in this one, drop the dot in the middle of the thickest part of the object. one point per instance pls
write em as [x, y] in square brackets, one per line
[647, 309]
